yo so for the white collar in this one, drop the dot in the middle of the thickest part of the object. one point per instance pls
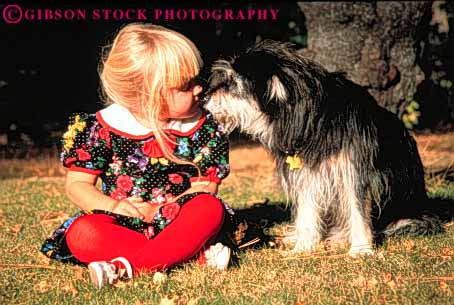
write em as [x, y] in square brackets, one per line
[120, 118]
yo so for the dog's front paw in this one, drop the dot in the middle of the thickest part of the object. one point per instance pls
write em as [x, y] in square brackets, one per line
[305, 245]
[306, 240]
[356, 251]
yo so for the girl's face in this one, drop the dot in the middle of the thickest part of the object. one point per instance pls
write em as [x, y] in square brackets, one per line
[183, 103]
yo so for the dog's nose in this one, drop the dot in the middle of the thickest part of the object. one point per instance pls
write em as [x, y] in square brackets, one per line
[203, 99]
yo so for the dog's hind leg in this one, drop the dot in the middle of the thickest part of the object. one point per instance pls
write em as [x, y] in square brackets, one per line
[353, 207]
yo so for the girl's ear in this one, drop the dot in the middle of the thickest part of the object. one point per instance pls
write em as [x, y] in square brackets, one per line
[197, 90]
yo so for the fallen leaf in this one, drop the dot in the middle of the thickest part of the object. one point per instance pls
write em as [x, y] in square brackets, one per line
[446, 253]
[16, 228]
[380, 255]
[69, 289]
[79, 273]
[364, 282]
[391, 284]
[387, 277]
[371, 283]
[42, 287]
[272, 244]
[389, 280]
[159, 278]
[166, 301]
[359, 281]
[123, 284]
[409, 245]
[44, 260]
[193, 301]
[443, 285]
[54, 217]
[270, 276]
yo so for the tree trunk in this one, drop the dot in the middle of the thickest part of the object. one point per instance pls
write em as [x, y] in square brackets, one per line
[374, 43]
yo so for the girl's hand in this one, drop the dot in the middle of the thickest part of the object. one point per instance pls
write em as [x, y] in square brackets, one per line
[129, 207]
[148, 210]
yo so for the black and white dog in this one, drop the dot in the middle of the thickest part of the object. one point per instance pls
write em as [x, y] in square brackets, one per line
[348, 165]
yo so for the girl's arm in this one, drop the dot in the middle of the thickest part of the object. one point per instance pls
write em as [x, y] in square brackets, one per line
[203, 186]
[81, 190]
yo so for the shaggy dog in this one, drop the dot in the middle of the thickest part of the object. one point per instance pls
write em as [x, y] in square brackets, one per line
[348, 165]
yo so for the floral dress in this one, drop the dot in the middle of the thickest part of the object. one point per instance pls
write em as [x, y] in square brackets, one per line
[135, 166]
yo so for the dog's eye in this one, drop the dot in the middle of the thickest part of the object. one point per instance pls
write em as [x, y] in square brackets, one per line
[218, 83]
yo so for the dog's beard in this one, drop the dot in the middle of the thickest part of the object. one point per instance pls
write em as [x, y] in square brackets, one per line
[227, 116]
[233, 112]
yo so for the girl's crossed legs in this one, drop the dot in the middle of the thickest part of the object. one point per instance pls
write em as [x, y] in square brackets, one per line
[98, 237]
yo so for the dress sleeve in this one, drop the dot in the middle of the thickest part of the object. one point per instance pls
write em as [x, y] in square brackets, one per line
[212, 153]
[86, 145]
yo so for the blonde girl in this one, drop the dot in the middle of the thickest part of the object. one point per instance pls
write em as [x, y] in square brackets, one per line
[159, 156]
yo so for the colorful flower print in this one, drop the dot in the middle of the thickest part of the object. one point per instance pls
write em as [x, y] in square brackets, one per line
[70, 161]
[205, 151]
[162, 161]
[125, 183]
[139, 159]
[118, 194]
[83, 155]
[168, 197]
[136, 191]
[149, 232]
[94, 135]
[211, 173]
[105, 135]
[175, 178]
[195, 137]
[183, 147]
[156, 192]
[116, 165]
[170, 211]
[73, 130]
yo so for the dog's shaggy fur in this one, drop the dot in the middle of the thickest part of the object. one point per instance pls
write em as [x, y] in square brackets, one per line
[361, 170]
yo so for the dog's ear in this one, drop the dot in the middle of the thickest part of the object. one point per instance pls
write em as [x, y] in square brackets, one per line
[276, 90]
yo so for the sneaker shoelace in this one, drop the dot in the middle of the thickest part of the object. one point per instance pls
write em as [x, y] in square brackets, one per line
[112, 273]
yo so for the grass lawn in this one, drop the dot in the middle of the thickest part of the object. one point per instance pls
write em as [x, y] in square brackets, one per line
[403, 271]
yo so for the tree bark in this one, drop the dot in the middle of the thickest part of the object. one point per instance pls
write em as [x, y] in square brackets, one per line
[374, 43]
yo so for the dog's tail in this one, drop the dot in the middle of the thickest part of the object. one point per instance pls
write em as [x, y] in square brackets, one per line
[429, 220]
[412, 227]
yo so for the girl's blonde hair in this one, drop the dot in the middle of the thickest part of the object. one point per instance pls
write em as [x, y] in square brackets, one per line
[143, 63]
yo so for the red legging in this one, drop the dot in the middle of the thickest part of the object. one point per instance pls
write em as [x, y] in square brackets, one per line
[97, 237]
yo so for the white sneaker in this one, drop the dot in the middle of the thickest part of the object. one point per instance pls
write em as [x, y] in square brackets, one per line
[217, 256]
[104, 273]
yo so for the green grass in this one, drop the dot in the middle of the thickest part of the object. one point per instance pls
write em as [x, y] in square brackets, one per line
[403, 271]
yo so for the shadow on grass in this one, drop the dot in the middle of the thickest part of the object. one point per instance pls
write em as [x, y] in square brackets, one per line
[252, 224]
